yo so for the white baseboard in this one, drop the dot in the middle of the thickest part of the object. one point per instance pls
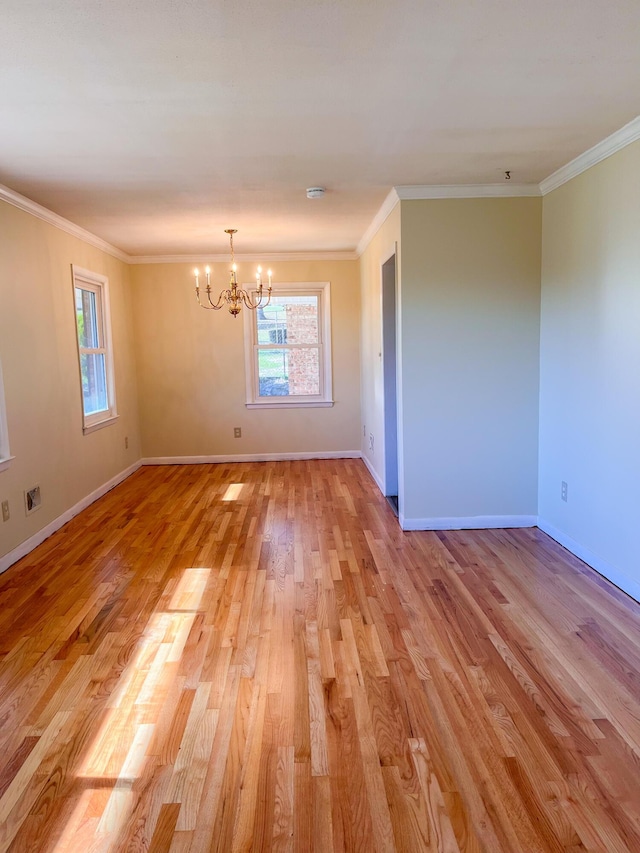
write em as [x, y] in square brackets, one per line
[33, 541]
[249, 457]
[472, 522]
[611, 573]
[373, 473]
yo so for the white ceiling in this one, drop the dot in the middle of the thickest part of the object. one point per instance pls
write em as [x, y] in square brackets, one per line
[155, 124]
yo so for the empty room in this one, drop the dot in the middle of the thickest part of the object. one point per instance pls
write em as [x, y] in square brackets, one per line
[319, 419]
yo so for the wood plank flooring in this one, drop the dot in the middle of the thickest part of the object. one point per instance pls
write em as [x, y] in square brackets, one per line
[253, 657]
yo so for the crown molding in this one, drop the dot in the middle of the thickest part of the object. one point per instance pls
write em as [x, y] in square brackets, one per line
[387, 206]
[615, 142]
[437, 191]
[248, 258]
[37, 210]
[618, 140]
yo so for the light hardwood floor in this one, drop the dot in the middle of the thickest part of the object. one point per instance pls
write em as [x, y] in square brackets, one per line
[254, 657]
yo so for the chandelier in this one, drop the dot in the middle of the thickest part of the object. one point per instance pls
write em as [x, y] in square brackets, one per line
[235, 297]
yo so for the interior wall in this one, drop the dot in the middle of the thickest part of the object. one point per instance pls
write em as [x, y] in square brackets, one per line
[590, 366]
[470, 352]
[380, 248]
[39, 357]
[192, 368]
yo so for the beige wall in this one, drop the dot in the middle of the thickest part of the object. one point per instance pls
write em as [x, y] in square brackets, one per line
[41, 376]
[470, 294]
[590, 366]
[471, 360]
[192, 369]
[381, 247]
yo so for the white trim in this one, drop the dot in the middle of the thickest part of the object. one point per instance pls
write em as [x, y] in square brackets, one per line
[5, 462]
[387, 207]
[373, 473]
[472, 522]
[504, 190]
[98, 284]
[322, 290]
[40, 212]
[94, 427]
[250, 457]
[29, 544]
[602, 567]
[288, 403]
[618, 140]
[347, 255]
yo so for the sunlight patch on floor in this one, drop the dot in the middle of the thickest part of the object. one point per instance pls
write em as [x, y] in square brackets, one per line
[233, 492]
[119, 750]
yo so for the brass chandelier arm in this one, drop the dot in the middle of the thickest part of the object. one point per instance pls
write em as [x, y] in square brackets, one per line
[257, 303]
[224, 297]
[215, 306]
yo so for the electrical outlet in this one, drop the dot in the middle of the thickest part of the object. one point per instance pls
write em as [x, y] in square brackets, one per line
[6, 515]
[237, 432]
[370, 441]
[32, 500]
[126, 442]
[563, 491]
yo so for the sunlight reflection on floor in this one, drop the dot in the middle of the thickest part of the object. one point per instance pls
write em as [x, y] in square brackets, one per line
[120, 747]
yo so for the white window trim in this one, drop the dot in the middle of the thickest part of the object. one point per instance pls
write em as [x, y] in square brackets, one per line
[323, 400]
[99, 284]
[5, 453]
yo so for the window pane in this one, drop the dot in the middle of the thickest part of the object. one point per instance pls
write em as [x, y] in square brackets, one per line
[87, 318]
[304, 371]
[94, 383]
[288, 372]
[289, 320]
[273, 373]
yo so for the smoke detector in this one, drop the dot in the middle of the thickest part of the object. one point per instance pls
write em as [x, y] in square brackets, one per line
[315, 192]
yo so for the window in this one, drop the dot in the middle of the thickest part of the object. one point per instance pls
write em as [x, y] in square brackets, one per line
[288, 348]
[5, 456]
[93, 324]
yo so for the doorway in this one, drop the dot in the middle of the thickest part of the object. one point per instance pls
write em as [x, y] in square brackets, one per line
[389, 373]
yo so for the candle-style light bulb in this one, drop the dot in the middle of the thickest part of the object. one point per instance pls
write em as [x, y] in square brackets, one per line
[196, 273]
[269, 275]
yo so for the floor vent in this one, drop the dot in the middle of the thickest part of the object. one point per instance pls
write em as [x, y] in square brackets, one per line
[32, 500]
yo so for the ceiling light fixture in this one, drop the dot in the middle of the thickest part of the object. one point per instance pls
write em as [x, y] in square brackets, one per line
[315, 192]
[235, 297]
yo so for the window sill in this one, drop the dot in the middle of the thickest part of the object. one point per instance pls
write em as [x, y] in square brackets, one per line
[292, 404]
[4, 463]
[99, 424]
